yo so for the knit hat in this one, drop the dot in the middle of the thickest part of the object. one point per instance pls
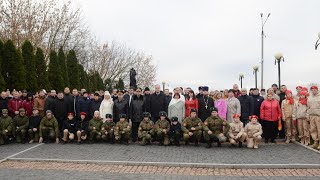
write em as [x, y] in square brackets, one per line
[109, 116]
[162, 113]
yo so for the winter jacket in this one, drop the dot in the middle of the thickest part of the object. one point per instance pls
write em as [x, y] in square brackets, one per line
[6, 123]
[257, 101]
[106, 107]
[177, 110]
[3, 104]
[20, 122]
[120, 107]
[136, 109]
[49, 104]
[97, 123]
[270, 110]
[14, 105]
[299, 110]
[287, 109]
[157, 104]
[68, 98]
[83, 125]
[49, 123]
[175, 129]
[28, 106]
[60, 110]
[313, 105]
[191, 104]
[84, 105]
[246, 106]
[34, 122]
[70, 125]
[39, 104]
[234, 107]
[95, 105]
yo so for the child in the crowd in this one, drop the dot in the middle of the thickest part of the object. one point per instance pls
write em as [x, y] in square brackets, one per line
[34, 123]
[253, 131]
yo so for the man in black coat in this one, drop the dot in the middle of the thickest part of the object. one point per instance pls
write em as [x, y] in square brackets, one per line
[146, 99]
[3, 101]
[50, 100]
[257, 101]
[247, 106]
[128, 97]
[68, 99]
[168, 97]
[205, 103]
[84, 105]
[136, 112]
[120, 106]
[59, 110]
[157, 103]
[200, 94]
[95, 104]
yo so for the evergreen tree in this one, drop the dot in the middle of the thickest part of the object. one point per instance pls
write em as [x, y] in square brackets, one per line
[54, 75]
[63, 66]
[30, 66]
[41, 70]
[100, 84]
[13, 69]
[2, 82]
[83, 78]
[120, 84]
[73, 70]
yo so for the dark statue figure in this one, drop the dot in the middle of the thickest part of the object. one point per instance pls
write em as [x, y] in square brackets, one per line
[133, 81]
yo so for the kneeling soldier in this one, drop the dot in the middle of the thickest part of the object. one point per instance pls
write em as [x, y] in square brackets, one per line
[6, 126]
[162, 128]
[107, 129]
[192, 128]
[49, 128]
[254, 131]
[82, 128]
[34, 123]
[175, 131]
[95, 127]
[20, 124]
[122, 130]
[236, 131]
[215, 128]
[69, 128]
[145, 131]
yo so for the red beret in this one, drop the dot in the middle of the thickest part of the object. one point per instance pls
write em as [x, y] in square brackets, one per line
[304, 93]
[83, 113]
[288, 91]
[70, 113]
[299, 87]
[236, 116]
[304, 89]
[314, 87]
[254, 116]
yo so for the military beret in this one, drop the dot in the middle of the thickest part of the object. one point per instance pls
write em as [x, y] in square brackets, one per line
[254, 117]
[174, 119]
[22, 110]
[193, 110]
[236, 116]
[109, 116]
[213, 109]
[314, 87]
[70, 114]
[123, 116]
[146, 114]
[162, 113]
[4, 111]
[83, 113]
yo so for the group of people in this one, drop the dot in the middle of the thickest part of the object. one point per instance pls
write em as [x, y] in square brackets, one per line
[217, 116]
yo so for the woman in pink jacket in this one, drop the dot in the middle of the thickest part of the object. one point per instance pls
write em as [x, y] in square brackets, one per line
[270, 114]
[221, 105]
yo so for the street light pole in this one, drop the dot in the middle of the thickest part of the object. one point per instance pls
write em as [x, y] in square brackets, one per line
[255, 72]
[263, 22]
[241, 76]
[317, 42]
[278, 59]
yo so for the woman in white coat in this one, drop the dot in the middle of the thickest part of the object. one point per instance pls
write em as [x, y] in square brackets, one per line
[233, 106]
[177, 108]
[106, 106]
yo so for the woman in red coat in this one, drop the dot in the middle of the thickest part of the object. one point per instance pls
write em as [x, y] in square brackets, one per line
[270, 114]
[191, 103]
[28, 104]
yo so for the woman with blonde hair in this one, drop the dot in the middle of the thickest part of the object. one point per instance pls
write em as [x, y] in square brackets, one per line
[106, 106]
[221, 105]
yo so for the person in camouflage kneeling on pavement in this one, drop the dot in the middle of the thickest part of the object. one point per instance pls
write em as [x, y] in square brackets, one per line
[162, 128]
[145, 130]
[6, 126]
[107, 129]
[215, 128]
[49, 128]
[122, 130]
[95, 127]
[20, 124]
[175, 131]
[192, 128]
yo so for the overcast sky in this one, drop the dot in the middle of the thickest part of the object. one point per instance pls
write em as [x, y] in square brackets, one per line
[195, 42]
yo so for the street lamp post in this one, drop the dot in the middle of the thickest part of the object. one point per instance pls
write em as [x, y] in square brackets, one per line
[263, 22]
[163, 85]
[241, 76]
[255, 72]
[317, 42]
[278, 59]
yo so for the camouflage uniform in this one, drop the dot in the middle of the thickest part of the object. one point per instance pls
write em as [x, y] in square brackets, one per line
[189, 123]
[20, 124]
[218, 127]
[162, 128]
[122, 131]
[108, 127]
[95, 133]
[49, 128]
[6, 124]
[145, 131]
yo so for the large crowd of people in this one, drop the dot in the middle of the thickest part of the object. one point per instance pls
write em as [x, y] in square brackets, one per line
[233, 115]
